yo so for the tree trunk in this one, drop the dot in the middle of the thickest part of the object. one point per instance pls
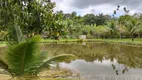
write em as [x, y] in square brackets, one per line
[132, 37]
[139, 35]
[120, 36]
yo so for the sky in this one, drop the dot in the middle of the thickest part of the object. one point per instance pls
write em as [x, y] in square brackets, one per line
[83, 7]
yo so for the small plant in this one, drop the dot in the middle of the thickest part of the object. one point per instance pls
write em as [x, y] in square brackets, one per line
[25, 57]
[2, 35]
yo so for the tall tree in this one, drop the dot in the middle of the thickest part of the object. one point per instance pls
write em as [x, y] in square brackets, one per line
[132, 26]
[31, 15]
[100, 19]
[89, 19]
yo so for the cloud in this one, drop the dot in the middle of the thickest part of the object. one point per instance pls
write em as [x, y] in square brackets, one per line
[86, 3]
[63, 5]
[83, 7]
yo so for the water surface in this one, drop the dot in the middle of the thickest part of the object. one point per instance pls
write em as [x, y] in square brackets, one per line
[101, 59]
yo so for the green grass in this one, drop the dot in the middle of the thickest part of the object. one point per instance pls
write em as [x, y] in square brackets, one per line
[2, 44]
[136, 41]
[61, 40]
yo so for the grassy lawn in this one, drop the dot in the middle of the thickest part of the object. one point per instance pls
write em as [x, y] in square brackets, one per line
[136, 41]
[2, 44]
[61, 40]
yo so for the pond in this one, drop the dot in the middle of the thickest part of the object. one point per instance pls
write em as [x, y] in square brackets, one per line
[102, 61]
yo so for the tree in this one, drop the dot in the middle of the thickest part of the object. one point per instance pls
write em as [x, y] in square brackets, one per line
[89, 19]
[102, 31]
[57, 27]
[73, 14]
[31, 15]
[112, 26]
[101, 19]
[140, 17]
[132, 25]
[121, 24]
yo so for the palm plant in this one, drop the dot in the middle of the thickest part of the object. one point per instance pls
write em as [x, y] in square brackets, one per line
[112, 26]
[138, 31]
[121, 28]
[102, 31]
[132, 25]
[24, 57]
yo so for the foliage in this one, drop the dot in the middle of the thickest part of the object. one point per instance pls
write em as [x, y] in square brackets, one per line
[25, 57]
[2, 35]
[31, 15]
[37, 17]
[91, 19]
[15, 35]
[132, 26]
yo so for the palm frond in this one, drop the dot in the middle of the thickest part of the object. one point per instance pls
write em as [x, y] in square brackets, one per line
[43, 56]
[23, 56]
[59, 58]
[15, 35]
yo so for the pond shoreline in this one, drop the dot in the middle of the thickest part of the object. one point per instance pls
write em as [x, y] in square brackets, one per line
[52, 74]
[137, 42]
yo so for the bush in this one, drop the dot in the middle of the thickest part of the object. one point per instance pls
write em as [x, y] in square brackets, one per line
[2, 35]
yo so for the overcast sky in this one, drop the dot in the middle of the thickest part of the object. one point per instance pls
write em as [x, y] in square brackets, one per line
[83, 7]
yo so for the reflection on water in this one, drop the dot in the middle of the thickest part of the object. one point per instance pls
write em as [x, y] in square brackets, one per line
[98, 68]
[101, 58]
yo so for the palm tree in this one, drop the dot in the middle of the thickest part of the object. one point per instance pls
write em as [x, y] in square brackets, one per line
[112, 26]
[138, 31]
[102, 31]
[132, 26]
[24, 57]
[121, 29]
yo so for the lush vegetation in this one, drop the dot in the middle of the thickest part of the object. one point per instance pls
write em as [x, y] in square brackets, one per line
[24, 56]
[38, 17]
[20, 20]
[104, 26]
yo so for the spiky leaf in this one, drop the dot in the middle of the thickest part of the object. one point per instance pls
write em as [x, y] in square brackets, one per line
[59, 58]
[23, 57]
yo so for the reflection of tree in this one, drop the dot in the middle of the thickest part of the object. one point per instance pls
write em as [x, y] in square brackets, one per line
[117, 71]
[128, 55]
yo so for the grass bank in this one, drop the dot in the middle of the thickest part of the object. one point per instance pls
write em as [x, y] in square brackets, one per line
[7, 77]
[52, 74]
[126, 41]
[137, 41]
[2, 44]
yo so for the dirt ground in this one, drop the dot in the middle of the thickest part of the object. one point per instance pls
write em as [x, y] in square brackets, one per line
[4, 77]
